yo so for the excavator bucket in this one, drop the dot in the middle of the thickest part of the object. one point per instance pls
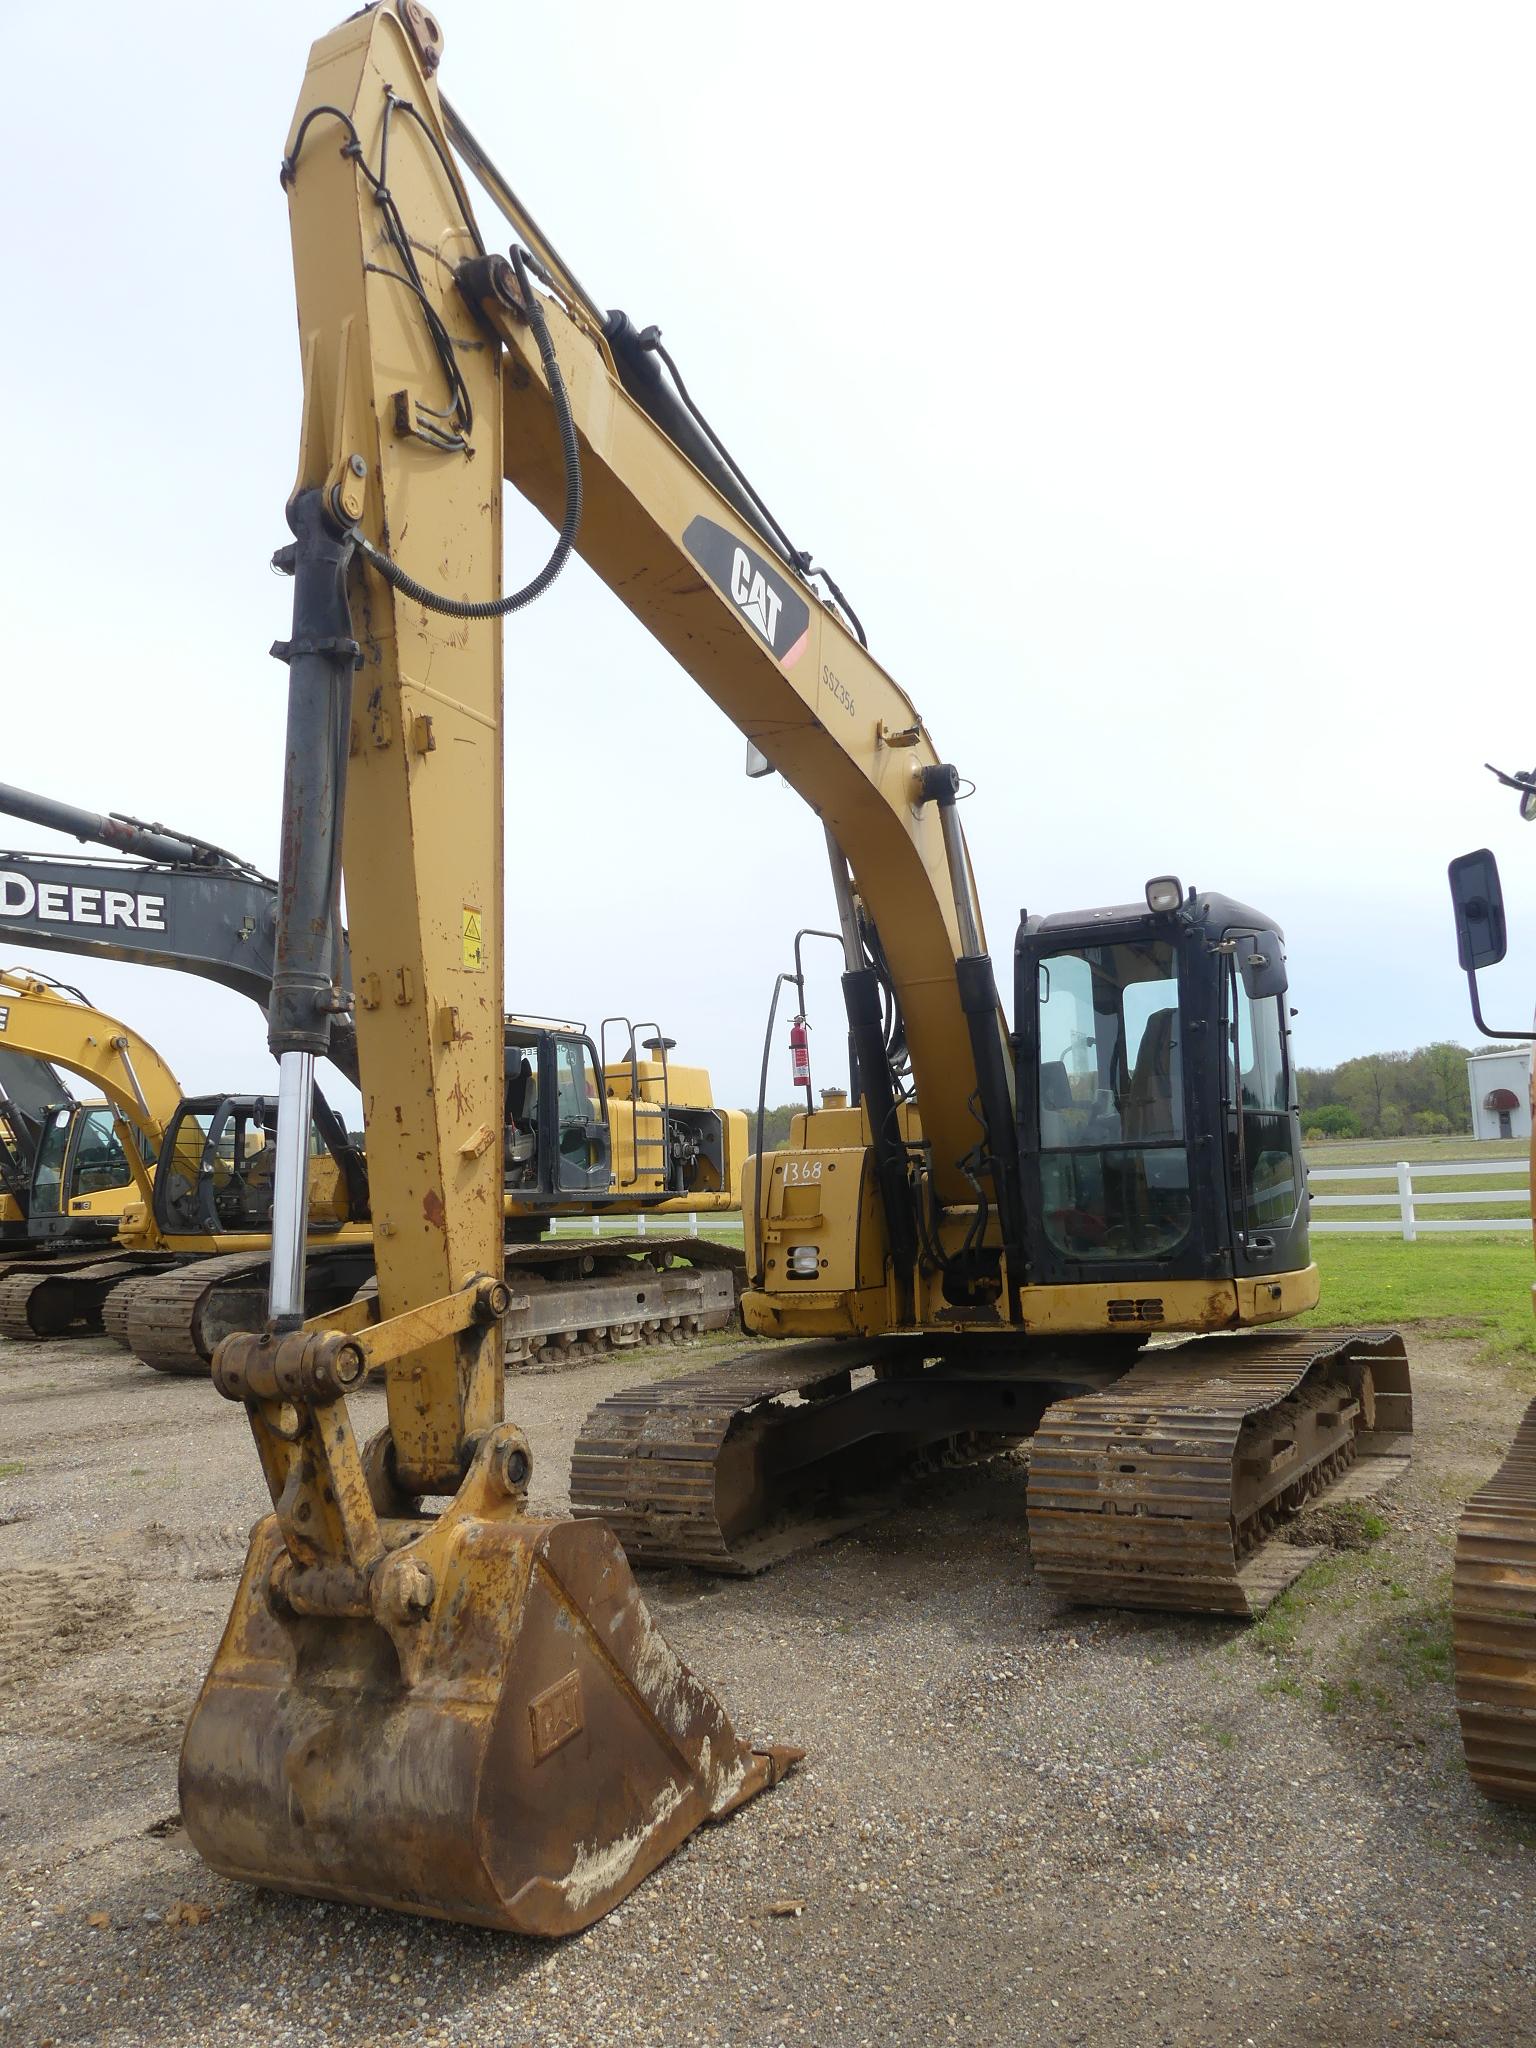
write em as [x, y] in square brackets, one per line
[518, 1755]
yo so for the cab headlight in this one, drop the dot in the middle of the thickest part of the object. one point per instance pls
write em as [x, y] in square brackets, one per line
[1164, 892]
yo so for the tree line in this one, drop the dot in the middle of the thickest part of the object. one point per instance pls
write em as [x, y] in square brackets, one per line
[775, 1124]
[1422, 1093]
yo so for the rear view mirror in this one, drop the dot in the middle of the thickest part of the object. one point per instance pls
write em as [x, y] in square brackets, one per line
[1478, 899]
[1261, 964]
[1481, 938]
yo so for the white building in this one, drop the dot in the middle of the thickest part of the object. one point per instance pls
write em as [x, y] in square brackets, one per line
[1500, 1085]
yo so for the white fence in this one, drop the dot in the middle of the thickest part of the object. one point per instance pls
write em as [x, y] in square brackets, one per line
[1409, 1198]
[1404, 1192]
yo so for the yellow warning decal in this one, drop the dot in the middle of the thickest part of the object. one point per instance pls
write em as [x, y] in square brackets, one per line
[474, 938]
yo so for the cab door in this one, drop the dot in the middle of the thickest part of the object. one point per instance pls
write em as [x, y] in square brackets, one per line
[583, 1151]
[1266, 1183]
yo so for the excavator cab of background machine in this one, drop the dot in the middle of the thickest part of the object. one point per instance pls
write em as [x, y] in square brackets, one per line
[216, 1170]
[557, 1139]
[81, 1182]
[583, 1146]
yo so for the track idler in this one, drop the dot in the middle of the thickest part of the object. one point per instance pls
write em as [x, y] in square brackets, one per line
[486, 1726]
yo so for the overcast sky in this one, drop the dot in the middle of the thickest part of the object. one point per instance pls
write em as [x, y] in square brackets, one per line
[1156, 380]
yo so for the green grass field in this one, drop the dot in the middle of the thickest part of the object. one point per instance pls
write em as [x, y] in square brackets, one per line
[1385, 1151]
[1468, 1286]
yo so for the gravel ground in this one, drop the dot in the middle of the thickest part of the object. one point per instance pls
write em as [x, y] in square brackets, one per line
[1017, 1822]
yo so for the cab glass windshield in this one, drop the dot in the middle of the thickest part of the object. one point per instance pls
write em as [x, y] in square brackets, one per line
[1114, 1172]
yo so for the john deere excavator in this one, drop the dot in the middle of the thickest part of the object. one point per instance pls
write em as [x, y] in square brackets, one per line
[978, 1247]
[426, 1697]
[1493, 1597]
[612, 1127]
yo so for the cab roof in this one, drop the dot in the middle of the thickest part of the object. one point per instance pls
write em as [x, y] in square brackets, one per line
[1206, 909]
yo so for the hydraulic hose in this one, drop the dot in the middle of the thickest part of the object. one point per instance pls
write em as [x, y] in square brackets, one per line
[499, 607]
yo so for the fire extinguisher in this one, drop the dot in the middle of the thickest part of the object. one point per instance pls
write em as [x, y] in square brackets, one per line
[800, 1052]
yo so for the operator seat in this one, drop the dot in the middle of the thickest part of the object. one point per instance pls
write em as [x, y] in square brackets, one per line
[1058, 1118]
[1153, 1104]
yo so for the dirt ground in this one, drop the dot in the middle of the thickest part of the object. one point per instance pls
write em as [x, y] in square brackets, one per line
[1017, 1822]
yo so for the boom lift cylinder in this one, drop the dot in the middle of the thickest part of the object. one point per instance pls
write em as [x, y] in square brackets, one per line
[979, 1001]
[321, 657]
[866, 1030]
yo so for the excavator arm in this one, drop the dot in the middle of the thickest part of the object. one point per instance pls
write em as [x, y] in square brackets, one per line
[466, 1712]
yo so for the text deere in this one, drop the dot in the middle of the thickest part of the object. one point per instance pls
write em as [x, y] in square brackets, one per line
[64, 903]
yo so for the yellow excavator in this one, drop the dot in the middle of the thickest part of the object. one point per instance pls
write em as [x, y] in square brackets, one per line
[1493, 1596]
[37, 1104]
[597, 1127]
[978, 1245]
[425, 1697]
[90, 1178]
[146, 1213]
[465, 1711]
[110, 1197]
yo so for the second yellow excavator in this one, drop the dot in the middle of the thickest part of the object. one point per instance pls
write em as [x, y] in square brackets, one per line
[110, 1196]
[91, 1164]
[33, 1095]
[599, 1128]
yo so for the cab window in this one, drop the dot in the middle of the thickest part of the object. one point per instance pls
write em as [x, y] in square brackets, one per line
[1114, 1172]
[1258, 1090]
[48, 1174]
[100, 1164]
[576, 1083]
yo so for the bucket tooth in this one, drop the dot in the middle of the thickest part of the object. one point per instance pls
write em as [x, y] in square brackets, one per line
[519, 1757]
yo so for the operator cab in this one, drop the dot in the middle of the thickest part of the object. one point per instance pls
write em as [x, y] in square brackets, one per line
[81, 1180]
[1157, 1124]
[557, 1137]
[216, 1171]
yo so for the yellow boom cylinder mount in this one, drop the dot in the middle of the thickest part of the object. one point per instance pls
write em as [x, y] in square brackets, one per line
[467, 1713]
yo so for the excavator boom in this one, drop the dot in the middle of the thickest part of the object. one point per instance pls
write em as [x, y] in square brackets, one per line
[784, 668]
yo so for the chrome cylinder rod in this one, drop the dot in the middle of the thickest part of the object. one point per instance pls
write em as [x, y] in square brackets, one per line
[842, 890]
[290, 1188]
[967, 914]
